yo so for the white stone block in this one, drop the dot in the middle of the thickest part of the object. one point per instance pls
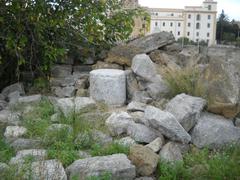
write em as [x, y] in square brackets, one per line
[108, 85]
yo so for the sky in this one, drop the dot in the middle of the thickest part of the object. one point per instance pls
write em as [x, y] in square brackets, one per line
[231, 7]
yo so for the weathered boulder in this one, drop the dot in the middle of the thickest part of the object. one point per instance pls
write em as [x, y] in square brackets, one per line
[167, 124]
[21, 144]
[138, 117]
[61, 71]
[143, 66]
[221, 81]
[156, 145]
[13, 132]
[63, 81]
[50, 169]
[118, 123]
[62, 92]
[122, 54]
[144, 159]
[158, 88]
[66, 105]
[186, 109]
[141, 133]
[131, 83]
[30, 99]
[136, 106]
[84, 104]
[9, 118]
[214, 131]
[12, 88]
[170, 153]
[152, 42]
[108, 85]
[237, 122]
[36, 154]
[101, 138]
[118, 165]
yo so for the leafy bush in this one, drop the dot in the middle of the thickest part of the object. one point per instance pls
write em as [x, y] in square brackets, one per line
[35, 34]
[184, 81]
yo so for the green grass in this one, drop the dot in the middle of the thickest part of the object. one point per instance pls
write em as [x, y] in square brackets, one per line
[204, 164]
[6, 152]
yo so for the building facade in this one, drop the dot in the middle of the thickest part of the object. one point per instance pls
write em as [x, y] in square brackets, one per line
[197, 23]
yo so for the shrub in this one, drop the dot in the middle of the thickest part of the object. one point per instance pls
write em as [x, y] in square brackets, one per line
[184, 81]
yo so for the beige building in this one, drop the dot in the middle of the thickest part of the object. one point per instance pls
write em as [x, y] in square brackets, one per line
[197, 23]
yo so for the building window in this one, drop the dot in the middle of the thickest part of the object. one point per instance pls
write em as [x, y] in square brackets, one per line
[171, 24]
[156, 14]
[209, 16]
[178, 33]
[179, 24]
[197, 34]
[164, 24]
[188, 33]
[171, 32]
[208, 25]
[143, 26]
[208, 34]
[189, 16]
[172, 14]
[198, 26]
[209, 7]
[189, 24]
[207, 41]
[156, 24]
[197, 40]
[198, 17]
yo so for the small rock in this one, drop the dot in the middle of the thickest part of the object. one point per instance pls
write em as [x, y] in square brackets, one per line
[9, 118]
[83, 104]
[136, 106]
[55, 118]
[126, 141]
[144, 178]
[36, 154]
[13, 132]
[138, 117]
[30, 99]
[105, 65]
[81, 83]
[66, 105]
[186, 109]
[167, 124]
[144, 159]
[144, 67]
[21, 144]
[82, 93]
[118, 165]
[12, 88]
[170, 153]
[61, 71]
[156, 145]
[68, 91]
[101, 138]
[141, 133]
[118, 123]
[50, 169]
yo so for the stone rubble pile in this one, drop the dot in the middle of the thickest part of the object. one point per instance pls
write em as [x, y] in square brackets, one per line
[151, 132]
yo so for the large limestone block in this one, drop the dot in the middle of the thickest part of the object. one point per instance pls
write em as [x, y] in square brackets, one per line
[214, 131]
[186, 109]
[108, 85]
[167, 124]
[144, 67]
[118, 165]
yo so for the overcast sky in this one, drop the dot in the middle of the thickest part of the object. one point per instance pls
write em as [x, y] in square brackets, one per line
[231, 7]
